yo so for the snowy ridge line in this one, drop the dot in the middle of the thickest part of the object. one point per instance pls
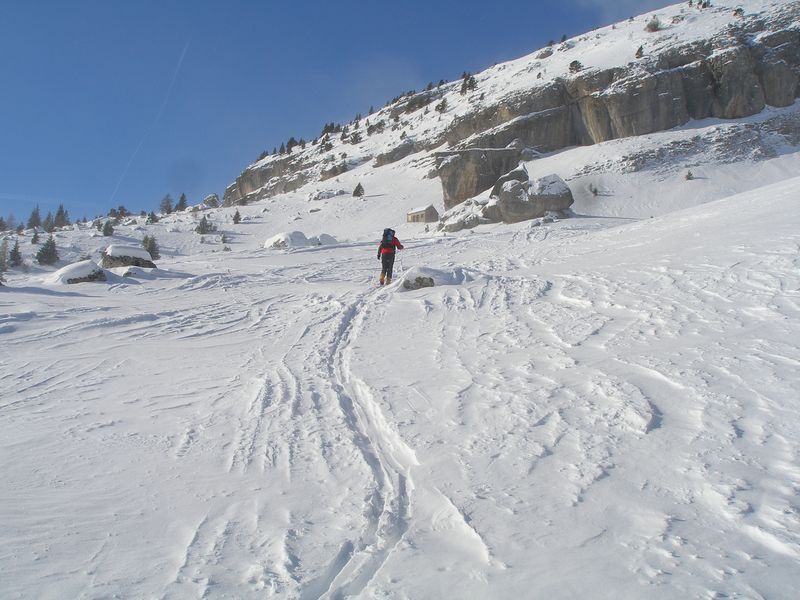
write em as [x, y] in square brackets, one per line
[389, 459]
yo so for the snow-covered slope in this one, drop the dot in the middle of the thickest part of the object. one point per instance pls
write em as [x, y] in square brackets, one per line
[592, 408]
[604, 406]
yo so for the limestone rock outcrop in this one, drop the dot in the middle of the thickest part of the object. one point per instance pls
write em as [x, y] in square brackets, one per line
[465, 173]
[517, 199]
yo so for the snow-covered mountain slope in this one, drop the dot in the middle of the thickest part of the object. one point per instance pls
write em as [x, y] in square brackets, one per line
[730, 60]
[597, 407]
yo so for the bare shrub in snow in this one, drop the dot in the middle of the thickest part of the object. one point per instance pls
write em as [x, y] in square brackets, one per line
[653, 25]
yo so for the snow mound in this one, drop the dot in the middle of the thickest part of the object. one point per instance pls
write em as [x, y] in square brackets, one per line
[134, 271]
[417, 277]
[297, 239]
[79, 272]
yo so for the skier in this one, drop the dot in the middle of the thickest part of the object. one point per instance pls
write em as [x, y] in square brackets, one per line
[386, 252]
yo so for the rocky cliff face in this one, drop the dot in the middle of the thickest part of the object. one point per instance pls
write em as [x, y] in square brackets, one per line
[655, 94]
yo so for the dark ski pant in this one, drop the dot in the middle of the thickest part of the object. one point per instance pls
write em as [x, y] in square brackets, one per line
[387, 263]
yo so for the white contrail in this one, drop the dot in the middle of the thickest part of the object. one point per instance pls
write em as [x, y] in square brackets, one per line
[155, 121]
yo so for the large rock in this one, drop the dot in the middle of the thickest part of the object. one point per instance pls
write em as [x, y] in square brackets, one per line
[517, 200]
[466, 173]
[417, 283]
[277, 176]
[118, 255]
[399, 152]
[524, 200]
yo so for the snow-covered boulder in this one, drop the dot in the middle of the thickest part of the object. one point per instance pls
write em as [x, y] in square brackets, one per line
[324, 194]
[517, 200]
[323, 239]
[524, 200]
[420, 277]
[117, 255]
[79, 272]
[297, 239]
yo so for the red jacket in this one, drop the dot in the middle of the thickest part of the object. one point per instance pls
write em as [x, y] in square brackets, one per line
[395, 244]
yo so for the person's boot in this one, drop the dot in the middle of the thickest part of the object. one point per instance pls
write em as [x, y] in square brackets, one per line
[388, 280]
[381, 280]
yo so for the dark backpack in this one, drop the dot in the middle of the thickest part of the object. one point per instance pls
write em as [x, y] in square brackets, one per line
[387, 241]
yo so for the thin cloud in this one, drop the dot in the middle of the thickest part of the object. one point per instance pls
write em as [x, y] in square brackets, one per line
[155, 121]
[618, 10]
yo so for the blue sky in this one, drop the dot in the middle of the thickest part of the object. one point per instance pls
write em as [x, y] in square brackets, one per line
[108, 103]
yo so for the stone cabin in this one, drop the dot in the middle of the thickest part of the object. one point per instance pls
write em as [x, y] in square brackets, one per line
[424, 214]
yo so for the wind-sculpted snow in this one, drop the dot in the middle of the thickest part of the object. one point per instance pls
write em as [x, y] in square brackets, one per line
[599, 408]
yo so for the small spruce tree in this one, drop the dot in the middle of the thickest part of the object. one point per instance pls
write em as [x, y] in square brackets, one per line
[3, 257]
[35, 220]
[166, 205]
[237, 217]
[49, 224]
[359, 191]
[15, 256]
[35, 237]
[108, 229]
[205, 226]
[150, 244]
[575, 66]
[182, 203]
[689, 176]
[62, 217]
[47, 254]
[640, 52]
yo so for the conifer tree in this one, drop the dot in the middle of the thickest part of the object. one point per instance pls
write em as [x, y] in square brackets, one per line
[35, 220]
[359, 191]
[150, 244]
[166, 205]
[640, 52]
[15, 256]
[108, 229]
[35, 238]
[3, 257]
[182, 203]
[47, 254]
[62, 217]
[237, 217]
[3, 224]
[205, 226]
[49, 223]
[152, 218]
